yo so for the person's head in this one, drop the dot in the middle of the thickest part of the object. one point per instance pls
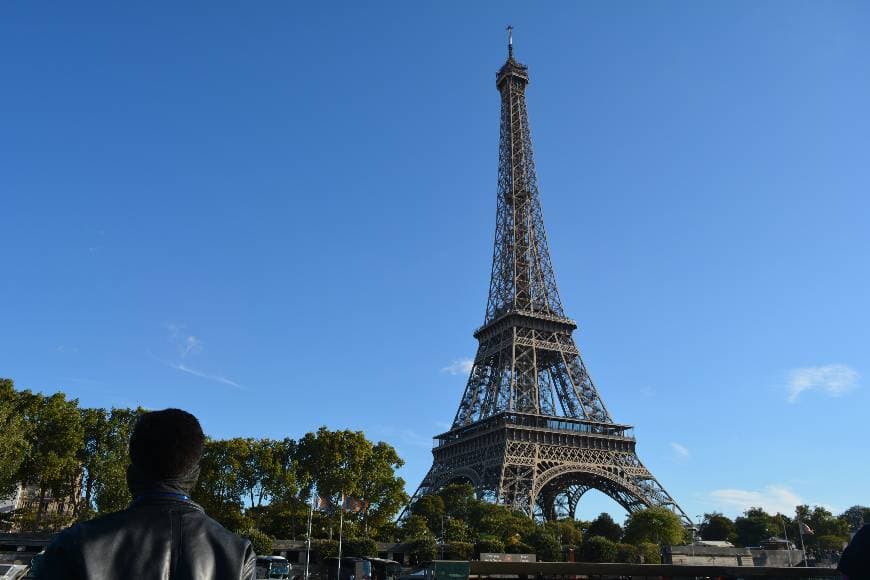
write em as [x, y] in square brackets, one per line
[166, 444]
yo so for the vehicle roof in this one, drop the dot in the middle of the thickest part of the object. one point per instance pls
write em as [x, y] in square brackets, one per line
[272, 558]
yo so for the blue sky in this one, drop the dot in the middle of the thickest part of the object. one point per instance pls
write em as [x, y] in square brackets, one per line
[280, 215]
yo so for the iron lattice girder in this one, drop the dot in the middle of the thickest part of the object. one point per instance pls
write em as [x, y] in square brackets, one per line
[528, 460]
[531, 430]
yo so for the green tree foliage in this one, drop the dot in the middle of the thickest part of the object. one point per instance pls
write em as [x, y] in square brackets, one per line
[416, 527]
[457, 531]
[824, 524]
[488, 545]
[856, 516]
[499, 521]
[261, 541]
[516, 546]
[832, 542]
[431, 508]
[654, 524]
[221, 484]
[566, 531]
[336, 462]
[754, 526]
[598, 549]
[56, 436]
[627, 554]
[421, 550]
[650, 553]
[324, 549]
[359, 547]
[458, 550]
[80, 458]
[105, 457]
[718, 527]
[15, 439]
[458, 499]
[605, 527]
[545, 543]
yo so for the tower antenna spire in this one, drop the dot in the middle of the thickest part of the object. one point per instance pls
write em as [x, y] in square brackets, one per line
[510, 31]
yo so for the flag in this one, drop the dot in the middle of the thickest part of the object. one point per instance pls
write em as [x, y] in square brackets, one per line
[353, 504]
[805, 529]
[321, 503]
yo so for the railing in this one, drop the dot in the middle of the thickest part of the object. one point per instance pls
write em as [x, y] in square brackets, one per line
[537, 422]
[570, 569]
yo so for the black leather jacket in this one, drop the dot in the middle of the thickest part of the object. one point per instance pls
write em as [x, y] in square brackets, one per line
[162, 535]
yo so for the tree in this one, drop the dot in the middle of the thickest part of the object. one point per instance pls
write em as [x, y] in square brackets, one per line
[654, 524]
[421, 550]
[105, 457]
[416, 527]
[324, 548]
[457, 531]
[598, 549]
[268, 472]
[517, 547]
[546, 544]
[605, 527]
[754, 526]
[458, 550]
[359, 547]
[345, 462]
[856, 516]
[627, 554]
[717, 527]
[260, 541]
[56, 437]
[649, 553]
[488, 545]
[15, 442]
[458, 500]
[431, 508]
[221, 483]
[500, 521]
[566, 531]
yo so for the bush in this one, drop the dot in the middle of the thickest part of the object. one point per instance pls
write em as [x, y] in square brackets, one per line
[628, 554]
[359, 547]
[324, 548]
[458, 550]
[831, 542]
[649, 553]
[261, 541]
[546, 545]
[488, 545]
[518, 548]
[421, 550]
[598, 549]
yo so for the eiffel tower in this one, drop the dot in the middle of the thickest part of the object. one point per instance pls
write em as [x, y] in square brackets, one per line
[532, 431]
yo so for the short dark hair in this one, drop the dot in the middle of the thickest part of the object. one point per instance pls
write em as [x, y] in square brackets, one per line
[166, 443]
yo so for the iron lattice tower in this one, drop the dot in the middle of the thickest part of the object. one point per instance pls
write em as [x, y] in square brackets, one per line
[532, 431]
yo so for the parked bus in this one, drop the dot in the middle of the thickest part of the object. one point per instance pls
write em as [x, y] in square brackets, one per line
[272, 567]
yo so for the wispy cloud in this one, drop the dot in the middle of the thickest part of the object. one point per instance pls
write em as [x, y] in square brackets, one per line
[773, 498]
[203, 375]
[460, 366]
[834, 380]
[187, 346]
[680, 451]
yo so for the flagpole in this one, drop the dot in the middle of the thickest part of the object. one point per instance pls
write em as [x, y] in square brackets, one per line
[308, 549]
[803, 547]
[340, 528]
[787, 544]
